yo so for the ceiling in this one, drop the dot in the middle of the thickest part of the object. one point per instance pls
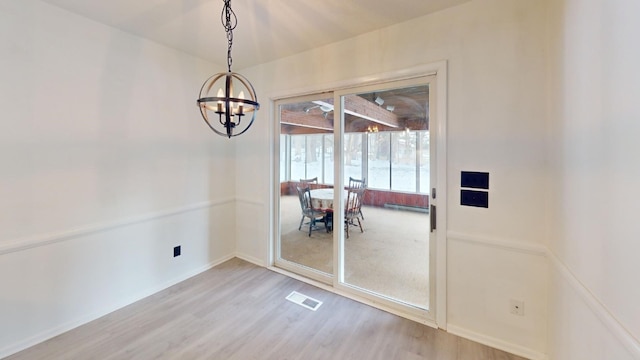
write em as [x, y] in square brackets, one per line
[267, 29]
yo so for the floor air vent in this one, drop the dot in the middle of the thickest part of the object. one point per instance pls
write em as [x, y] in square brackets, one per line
[303, 300]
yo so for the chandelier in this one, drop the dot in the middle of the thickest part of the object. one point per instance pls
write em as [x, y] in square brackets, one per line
[226, 106]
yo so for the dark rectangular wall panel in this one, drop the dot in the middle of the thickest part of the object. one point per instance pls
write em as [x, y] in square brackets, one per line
[475, 180]
[474, 198]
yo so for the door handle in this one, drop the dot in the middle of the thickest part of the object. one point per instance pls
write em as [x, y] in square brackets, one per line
[432, 214]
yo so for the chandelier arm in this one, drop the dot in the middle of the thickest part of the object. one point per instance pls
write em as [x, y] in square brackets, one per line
[247, 127]
[206, 120]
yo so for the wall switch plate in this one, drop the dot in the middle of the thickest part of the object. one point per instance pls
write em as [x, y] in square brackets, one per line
[474, 179]
[474, 198]
[517, 307]
[176, 251]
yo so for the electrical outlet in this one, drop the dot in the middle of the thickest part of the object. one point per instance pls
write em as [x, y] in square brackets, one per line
[517, 307]
[176, 251]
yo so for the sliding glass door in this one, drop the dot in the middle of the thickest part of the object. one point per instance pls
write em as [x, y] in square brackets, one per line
[355, 179]
[384, 251]
[306, 162]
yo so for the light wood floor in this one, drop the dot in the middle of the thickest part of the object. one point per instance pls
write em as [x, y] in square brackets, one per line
[238, 311]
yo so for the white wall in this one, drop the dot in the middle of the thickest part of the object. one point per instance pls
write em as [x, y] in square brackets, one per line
[594, 112]
[495, 52]
[105, 166]
[105, 162]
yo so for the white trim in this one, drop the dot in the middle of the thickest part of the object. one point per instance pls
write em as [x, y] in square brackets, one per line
[617, 329]
[442, 96]
[304, 271]
[395, 75]
[273, 203]
[496, 343]
[527, 248]
[250, 201]
[55, 331]
[51, 238]
[252, 259]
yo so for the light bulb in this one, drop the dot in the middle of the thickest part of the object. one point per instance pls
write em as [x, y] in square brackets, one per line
[220, 95]
[240, 96]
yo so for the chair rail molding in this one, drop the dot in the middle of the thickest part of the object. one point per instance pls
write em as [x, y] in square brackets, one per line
[51, 238]
[519, 246]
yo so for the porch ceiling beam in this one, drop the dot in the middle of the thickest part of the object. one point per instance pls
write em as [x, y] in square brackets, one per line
[357, 106]
[301, 119]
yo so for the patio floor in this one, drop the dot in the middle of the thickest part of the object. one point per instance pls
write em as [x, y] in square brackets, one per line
[391, 256]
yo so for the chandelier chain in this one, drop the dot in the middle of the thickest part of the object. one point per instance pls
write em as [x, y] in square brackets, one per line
[229, 22]
[235, 115]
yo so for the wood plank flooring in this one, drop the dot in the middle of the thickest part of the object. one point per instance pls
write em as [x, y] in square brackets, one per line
[238, 311]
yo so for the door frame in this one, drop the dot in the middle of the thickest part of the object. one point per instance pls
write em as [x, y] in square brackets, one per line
[440, 71]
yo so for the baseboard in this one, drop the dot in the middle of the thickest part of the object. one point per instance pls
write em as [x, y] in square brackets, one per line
[252, 259]
[53, 332]
[609, 321]
[496, 343]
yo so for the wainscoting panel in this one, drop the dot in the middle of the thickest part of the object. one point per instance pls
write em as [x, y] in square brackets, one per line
[484, 276]
[580, 327]
[252, 235]
[55, 282]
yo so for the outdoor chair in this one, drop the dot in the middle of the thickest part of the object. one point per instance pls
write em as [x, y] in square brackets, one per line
[304, 195]
[352, 209]
[357, 184]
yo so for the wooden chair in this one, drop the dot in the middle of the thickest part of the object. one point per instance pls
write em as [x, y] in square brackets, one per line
[304, 195]
[353, 209]
[357, 184]
[308, 182]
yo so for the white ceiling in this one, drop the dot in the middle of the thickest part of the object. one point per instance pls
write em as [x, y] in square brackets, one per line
[267, 29]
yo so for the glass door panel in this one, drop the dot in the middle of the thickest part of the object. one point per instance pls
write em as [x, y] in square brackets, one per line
[386, 242]
[379, 165]
[304, 242]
